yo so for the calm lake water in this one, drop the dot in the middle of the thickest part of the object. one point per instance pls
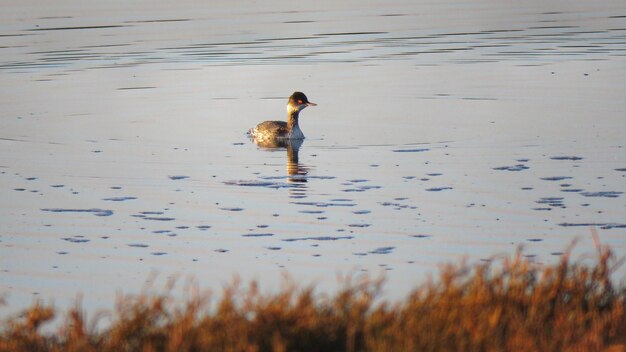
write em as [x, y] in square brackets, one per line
[444, 130]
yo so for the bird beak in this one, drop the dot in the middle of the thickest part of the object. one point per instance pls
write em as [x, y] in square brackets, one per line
[311, 104]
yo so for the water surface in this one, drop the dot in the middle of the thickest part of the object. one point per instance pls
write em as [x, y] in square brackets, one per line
[444, 130]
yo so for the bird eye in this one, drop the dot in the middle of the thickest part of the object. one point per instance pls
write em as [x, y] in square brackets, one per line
[299, 101]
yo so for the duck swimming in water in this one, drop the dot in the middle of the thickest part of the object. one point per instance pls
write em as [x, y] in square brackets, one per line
[269, 130]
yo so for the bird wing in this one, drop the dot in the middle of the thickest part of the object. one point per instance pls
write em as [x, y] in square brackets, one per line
[272, 128]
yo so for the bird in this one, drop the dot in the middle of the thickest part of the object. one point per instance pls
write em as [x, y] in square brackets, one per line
[281, 130]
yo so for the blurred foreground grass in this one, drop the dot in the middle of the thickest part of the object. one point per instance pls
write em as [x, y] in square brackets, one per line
[504, 305]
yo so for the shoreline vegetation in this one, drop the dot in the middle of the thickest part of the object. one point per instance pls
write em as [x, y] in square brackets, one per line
[508, 304]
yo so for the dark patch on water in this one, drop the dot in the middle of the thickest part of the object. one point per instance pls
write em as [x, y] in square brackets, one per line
[300, 177]
[274, 248]
[162, 231]
[19, 189]
[358, 180]
[75, 28]
[221, 250]
[62, 253]
[366, 187]
[556, 178]
[434, 174]
[258, 235]
[115, 187]
[136, 88]
[348, 190]
[76, 239]
[607, 194]
[572, 190]
[177, 177]
[397, 206]
[232, 209]
[94, 211]
[518, 167]
[320, 238]
[420, 236]
[311, 211]
[324, 205]
[138, 245]
[57, 186]
[361, 212]
[203, 227]
[542, 209]
[551, 201]
[572, 158]
[438, 189]
[119, 199]
[182, 227]
[349, 33]
[359, 225]
[31, 178]
[419, 150]
[603, 226]
[255, 183]
[523, 160]
[158, 253]
[160, 20]
[159, 218]
[527, 188]
[383, 250]
[623, 169]
[535, 239]
[360, 254]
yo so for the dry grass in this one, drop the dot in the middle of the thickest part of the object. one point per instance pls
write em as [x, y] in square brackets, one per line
[512, 306]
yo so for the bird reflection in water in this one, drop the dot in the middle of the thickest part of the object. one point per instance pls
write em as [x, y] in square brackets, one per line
[296, 172]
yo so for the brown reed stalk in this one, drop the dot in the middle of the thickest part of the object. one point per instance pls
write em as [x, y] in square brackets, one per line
[509, 304]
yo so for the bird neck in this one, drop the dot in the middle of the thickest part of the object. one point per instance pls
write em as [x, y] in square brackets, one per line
[292, 118]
